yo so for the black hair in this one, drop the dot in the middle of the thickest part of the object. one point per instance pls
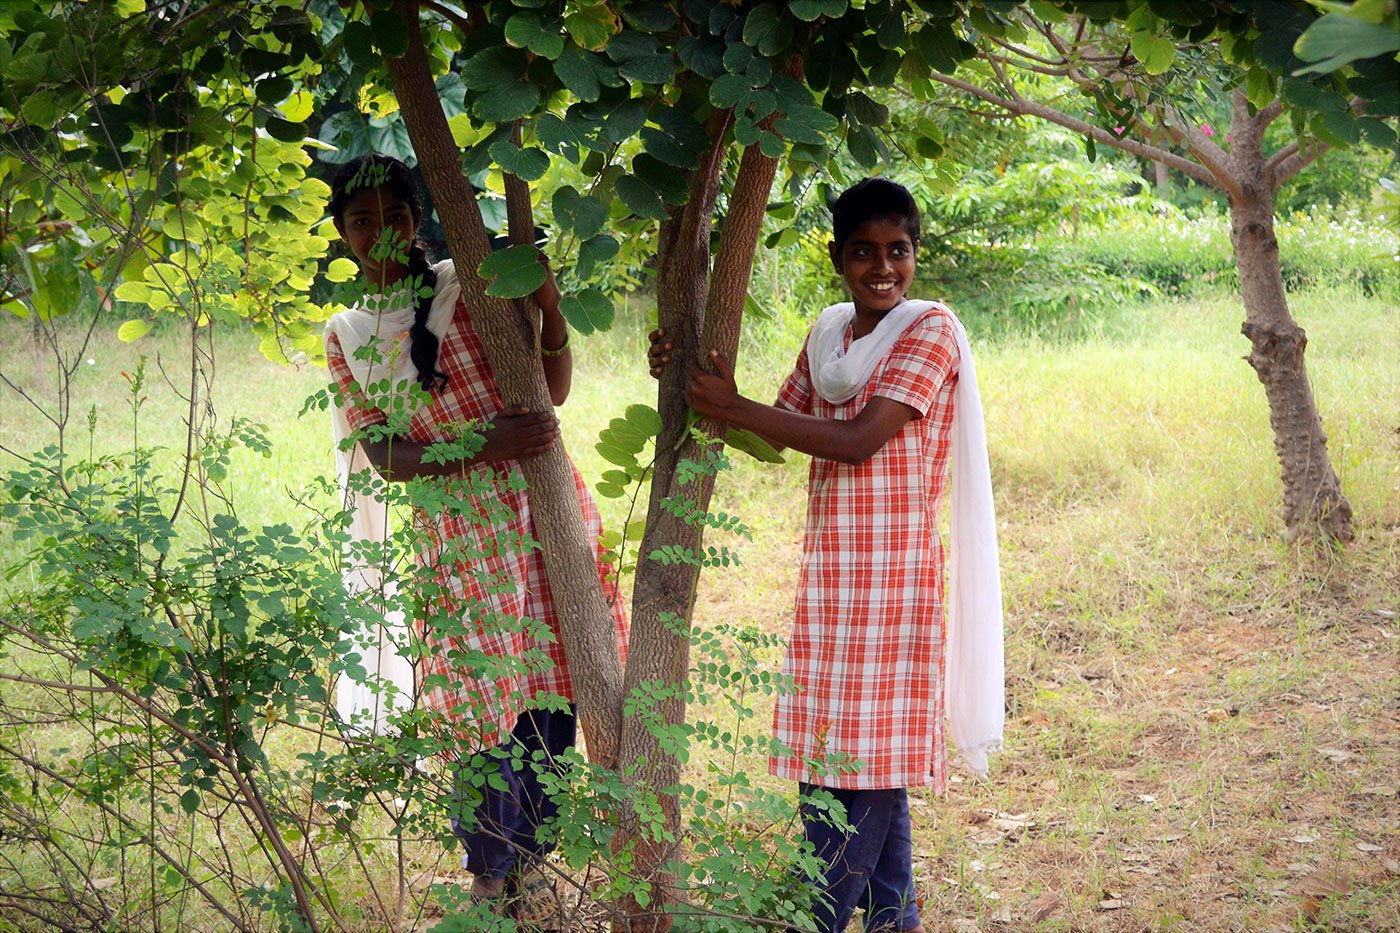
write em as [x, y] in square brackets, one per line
[381, 171]
[870, 198]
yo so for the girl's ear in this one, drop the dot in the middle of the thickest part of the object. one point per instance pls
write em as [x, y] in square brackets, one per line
[834, 254]
[339, 227]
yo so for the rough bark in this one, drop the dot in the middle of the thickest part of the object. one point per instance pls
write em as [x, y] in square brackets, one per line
[1312, 493]
[585, 620]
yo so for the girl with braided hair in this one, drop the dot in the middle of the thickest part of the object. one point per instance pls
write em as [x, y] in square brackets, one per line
[414, 326]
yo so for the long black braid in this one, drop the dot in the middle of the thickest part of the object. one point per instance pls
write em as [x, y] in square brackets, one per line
[381, 171]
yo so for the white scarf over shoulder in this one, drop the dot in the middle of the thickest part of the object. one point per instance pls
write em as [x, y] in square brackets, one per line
[974, 681]
[382, 323]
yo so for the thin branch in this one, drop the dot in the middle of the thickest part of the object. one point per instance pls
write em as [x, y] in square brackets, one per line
[1036, 109]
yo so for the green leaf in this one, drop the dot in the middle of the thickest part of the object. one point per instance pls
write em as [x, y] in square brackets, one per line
[767, 30]
[1259, 88]
[641, 59]
[592, 25]
[586, 73]
[810, 10]
[1342, 125]
[866, 110]
[133, 330]
[285, 130]
[1337, 39]
[390, 33]
[640, 198]
[1155, 52]
[528, 163]
[938, 45]
[753, 445]
[1377, 133]
[274, 90]
[599, 249]
[40, 109]
[583, 216]
[645, 418]
[588, 311]
[358, 38]
[189, 801]
[513, 272]
[806, 125]
[524, 30]
[136, 292]
[503, 90]
[341, 270]
[729, 91]
[615, 455]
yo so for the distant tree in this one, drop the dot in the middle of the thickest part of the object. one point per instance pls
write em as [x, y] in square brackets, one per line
[1137, 77]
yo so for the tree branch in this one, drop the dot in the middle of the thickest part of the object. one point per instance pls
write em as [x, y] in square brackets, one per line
[1024, 107]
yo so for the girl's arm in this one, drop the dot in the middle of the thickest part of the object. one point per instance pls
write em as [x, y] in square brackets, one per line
[555, 354]
[514, 434]
[853, 442]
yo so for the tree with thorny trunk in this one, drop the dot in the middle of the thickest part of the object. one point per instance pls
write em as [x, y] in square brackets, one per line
[1132, 73]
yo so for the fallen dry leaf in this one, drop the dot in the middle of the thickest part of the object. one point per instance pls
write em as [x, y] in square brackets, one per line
[1336, 754]
[1216, 715]
[1370, 847]
[1110, 904]
[1043, 906]
[1380, 790]
[1325, 883]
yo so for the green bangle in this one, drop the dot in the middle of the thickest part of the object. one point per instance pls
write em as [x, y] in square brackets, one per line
[557, 351]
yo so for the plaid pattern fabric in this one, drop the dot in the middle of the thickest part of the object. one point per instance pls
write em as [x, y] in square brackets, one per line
[866, 651]
[486, 579]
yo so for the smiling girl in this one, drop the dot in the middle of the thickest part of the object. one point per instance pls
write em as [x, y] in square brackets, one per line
[486, 573]
[882, 395]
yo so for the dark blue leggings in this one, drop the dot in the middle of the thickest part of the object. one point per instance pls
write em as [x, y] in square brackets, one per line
[502, 834]
[872, 867]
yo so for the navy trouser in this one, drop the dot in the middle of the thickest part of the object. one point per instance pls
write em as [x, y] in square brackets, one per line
[872, 867]
[503, 834]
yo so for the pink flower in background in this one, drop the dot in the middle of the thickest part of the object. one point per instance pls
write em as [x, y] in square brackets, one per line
[1206, 128]
[1227, 137]
[1118, 131]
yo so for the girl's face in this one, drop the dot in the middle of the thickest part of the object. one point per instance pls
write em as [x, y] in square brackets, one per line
[379, 227]
[877, 262]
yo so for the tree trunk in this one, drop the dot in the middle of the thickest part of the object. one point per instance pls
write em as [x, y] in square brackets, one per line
[1312, 494]
[570, 558]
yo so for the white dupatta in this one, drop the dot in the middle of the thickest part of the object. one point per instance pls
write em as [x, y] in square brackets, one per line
[383, 323]
[974, 686]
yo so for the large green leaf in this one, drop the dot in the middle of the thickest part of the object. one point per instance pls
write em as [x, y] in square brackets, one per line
[525, 30]
[528, 163]
[809, 10]
[501, 89]
[806, 124]
[640, 58]
[588, 311]
[595, 250]
[767, 29]
[1337, 39]
[641, 198]
[390, 33]
[592, 25]
[753, 445]
[585, 73]
[583, 216]
[513, 272]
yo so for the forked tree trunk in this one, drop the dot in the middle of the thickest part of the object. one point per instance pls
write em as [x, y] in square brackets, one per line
[700, 311]
[508, 335]
[1312, 493]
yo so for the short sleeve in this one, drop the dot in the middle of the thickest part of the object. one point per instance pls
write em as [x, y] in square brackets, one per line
[796, 393]
[358, 411]
[920, 362]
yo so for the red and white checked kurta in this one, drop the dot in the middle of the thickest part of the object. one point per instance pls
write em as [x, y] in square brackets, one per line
[866, 652]
[495, 580]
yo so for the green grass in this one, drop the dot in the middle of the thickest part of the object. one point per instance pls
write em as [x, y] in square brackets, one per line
[1147, 585]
